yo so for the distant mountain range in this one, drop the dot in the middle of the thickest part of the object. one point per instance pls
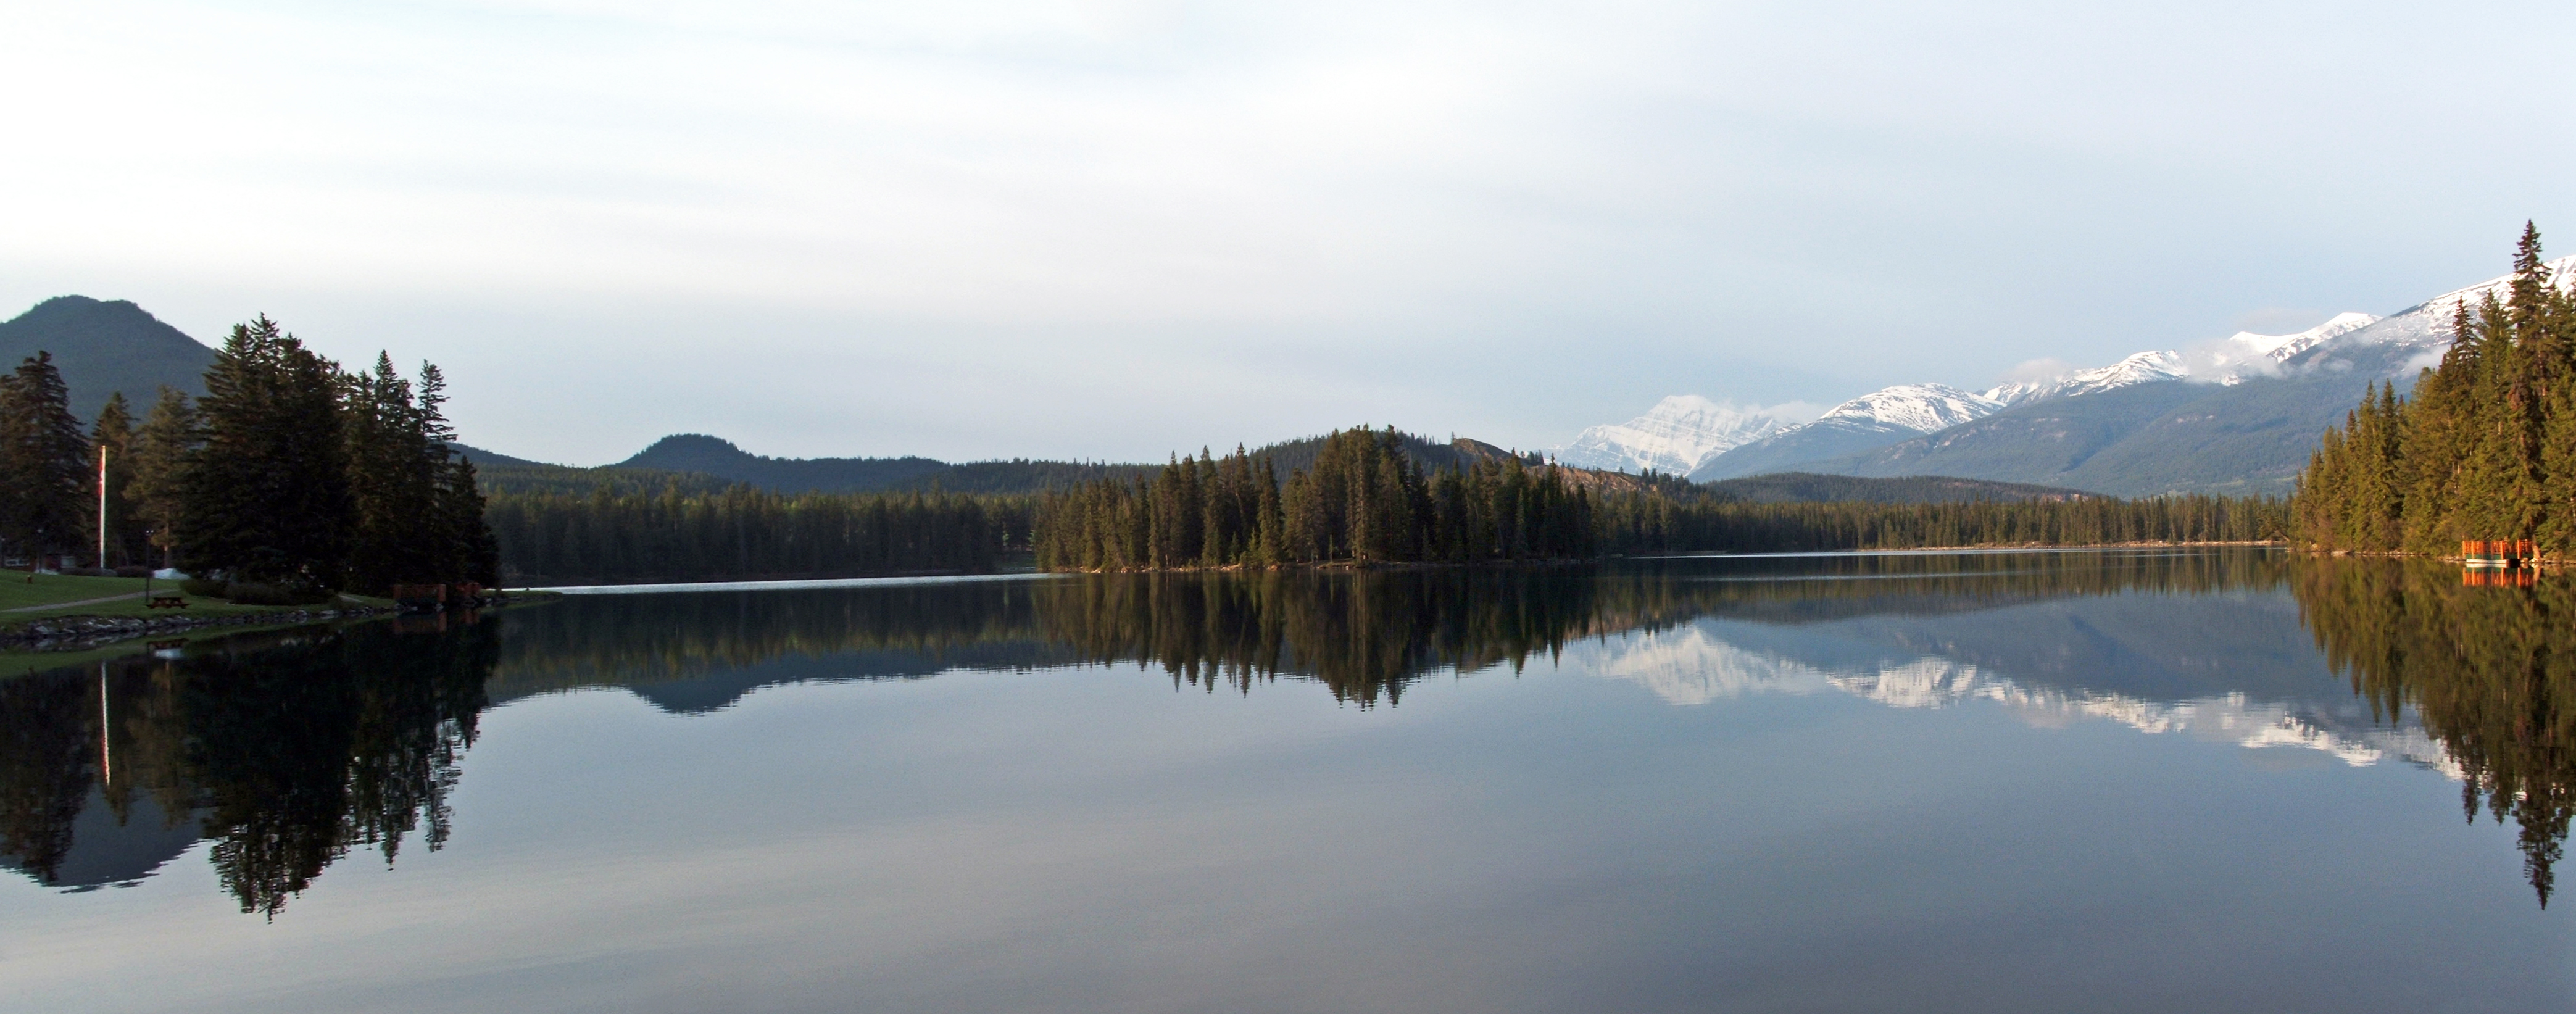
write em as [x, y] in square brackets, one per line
[2236, 415]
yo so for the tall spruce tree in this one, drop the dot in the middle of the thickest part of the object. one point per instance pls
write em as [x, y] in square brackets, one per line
[265, 496]
[398, 532]
[161, 449]
[43, 462]
[2483, 448]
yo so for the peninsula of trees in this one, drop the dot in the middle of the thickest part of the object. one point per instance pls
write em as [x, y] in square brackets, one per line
[2483, 448]
[1363, 501]
[290, 475]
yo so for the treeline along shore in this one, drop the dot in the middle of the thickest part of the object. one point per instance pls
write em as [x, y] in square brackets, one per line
[293, 479]
[2483, 448]
[620, 535]
[1361, 501]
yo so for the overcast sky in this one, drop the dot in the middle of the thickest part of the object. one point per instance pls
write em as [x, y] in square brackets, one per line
[1106, 230]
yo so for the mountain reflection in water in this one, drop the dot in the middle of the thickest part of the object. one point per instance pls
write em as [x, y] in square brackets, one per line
[289, 752]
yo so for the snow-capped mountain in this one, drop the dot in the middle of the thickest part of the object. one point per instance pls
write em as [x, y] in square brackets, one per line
[2280, 347]
[2245, 354]
[1922, 408]
[1872, 420]
[2424, 329]
[1674, 437]
[1708, 441]
[2139, 368]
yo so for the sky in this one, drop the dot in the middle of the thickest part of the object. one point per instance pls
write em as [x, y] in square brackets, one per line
[1111, 230]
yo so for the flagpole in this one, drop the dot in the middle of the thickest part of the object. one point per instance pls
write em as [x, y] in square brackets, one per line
[102, 506]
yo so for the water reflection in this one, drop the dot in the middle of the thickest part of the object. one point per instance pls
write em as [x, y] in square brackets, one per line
[2490, 667]
[1364, 636]
[288, 753]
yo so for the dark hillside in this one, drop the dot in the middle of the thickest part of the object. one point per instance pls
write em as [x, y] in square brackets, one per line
[699, 463]
[2037, 443]
[1808, 487]
[692, 452]
[1021, 475]
[484, 459]
[1823, 440]
[2249, 439]
[2245, 439]
[102, 347]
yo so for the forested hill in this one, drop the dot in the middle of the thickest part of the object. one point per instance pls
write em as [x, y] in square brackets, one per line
[1808, 487]
[694, 452]
[102, 347]
[697, 462]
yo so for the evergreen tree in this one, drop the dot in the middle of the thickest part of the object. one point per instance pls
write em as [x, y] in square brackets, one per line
[161, 449]
[2484, 448]
[265, 496]
[44, 462]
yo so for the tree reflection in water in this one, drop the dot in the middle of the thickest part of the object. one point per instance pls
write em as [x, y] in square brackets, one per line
[2491, 671]
[288, 751]
[291, 751]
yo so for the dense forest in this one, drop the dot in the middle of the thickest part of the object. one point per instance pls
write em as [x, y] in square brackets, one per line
[289, 479]
[2484, 447]
[613, 534]
[1365, 501]
[1656, 523]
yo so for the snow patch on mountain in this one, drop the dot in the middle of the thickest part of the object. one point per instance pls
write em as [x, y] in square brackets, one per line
[1684, 432]
[2142, 368]
[1922, 408]
[2245, 355]
[2280, 347]
[2426, 326]
[1677, 434]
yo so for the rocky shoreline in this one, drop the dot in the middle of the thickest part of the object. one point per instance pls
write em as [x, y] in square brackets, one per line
[85, 633]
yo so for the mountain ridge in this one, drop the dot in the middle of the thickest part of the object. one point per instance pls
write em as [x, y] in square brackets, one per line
[104, 347]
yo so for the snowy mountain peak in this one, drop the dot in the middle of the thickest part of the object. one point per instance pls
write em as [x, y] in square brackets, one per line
[2426, 326]
[2280, 347]
[1675, 436]
[2141, 368]
[1922, 408]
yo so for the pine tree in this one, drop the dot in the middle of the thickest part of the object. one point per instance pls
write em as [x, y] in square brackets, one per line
[161, 448]
[2485, 446]
[43, 462]
[265, 496]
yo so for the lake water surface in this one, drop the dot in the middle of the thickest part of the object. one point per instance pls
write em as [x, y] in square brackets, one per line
[2125, 780]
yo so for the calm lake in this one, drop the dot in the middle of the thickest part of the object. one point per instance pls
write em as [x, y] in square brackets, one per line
[2149, 780]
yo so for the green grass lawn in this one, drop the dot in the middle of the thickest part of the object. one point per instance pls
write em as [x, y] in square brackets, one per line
[57, 590]
[46, 589]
